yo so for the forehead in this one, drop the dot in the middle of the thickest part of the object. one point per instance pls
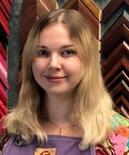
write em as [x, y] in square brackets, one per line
[55, 28]
[55, 34]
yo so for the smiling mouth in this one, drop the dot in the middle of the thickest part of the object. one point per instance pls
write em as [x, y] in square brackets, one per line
[55, 78]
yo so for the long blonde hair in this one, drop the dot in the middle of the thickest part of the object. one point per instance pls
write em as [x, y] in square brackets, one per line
[93, 104]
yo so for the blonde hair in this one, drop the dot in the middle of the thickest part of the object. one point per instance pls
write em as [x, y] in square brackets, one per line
[93, 104]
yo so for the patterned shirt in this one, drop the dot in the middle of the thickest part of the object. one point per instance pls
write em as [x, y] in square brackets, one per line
[117, 142]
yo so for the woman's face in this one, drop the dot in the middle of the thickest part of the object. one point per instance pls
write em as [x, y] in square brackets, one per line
[56, 66]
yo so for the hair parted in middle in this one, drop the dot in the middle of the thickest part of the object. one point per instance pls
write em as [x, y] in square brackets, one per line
[93, 104]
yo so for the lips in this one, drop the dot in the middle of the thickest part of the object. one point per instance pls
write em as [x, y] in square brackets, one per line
[54, 78]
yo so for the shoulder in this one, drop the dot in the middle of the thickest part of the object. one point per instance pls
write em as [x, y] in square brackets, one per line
[117, 142]
[17, 146]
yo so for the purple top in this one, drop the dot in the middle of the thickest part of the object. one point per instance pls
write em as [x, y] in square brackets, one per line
[64, 146]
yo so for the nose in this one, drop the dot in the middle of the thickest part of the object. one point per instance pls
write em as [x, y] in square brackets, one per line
[54, 62]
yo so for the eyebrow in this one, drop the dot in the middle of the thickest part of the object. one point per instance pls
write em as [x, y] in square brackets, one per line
[62, 47]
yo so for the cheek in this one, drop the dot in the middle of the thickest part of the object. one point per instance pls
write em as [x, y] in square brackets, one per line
[75, 66]
[38, 66]
[37, 69]
[35, 72]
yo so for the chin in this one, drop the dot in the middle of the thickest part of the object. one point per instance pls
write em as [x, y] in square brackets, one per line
[58, 92]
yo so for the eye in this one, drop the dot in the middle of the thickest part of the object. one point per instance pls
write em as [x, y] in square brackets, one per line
[68, 52]
[42, 53]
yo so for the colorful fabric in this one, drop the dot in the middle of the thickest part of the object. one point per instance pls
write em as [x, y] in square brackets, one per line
[63, 145]
[117, 143]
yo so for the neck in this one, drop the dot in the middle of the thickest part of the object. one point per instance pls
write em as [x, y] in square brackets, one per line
[58, 117]
[59, 108]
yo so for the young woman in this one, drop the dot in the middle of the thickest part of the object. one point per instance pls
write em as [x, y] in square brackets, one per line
[63, 106]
